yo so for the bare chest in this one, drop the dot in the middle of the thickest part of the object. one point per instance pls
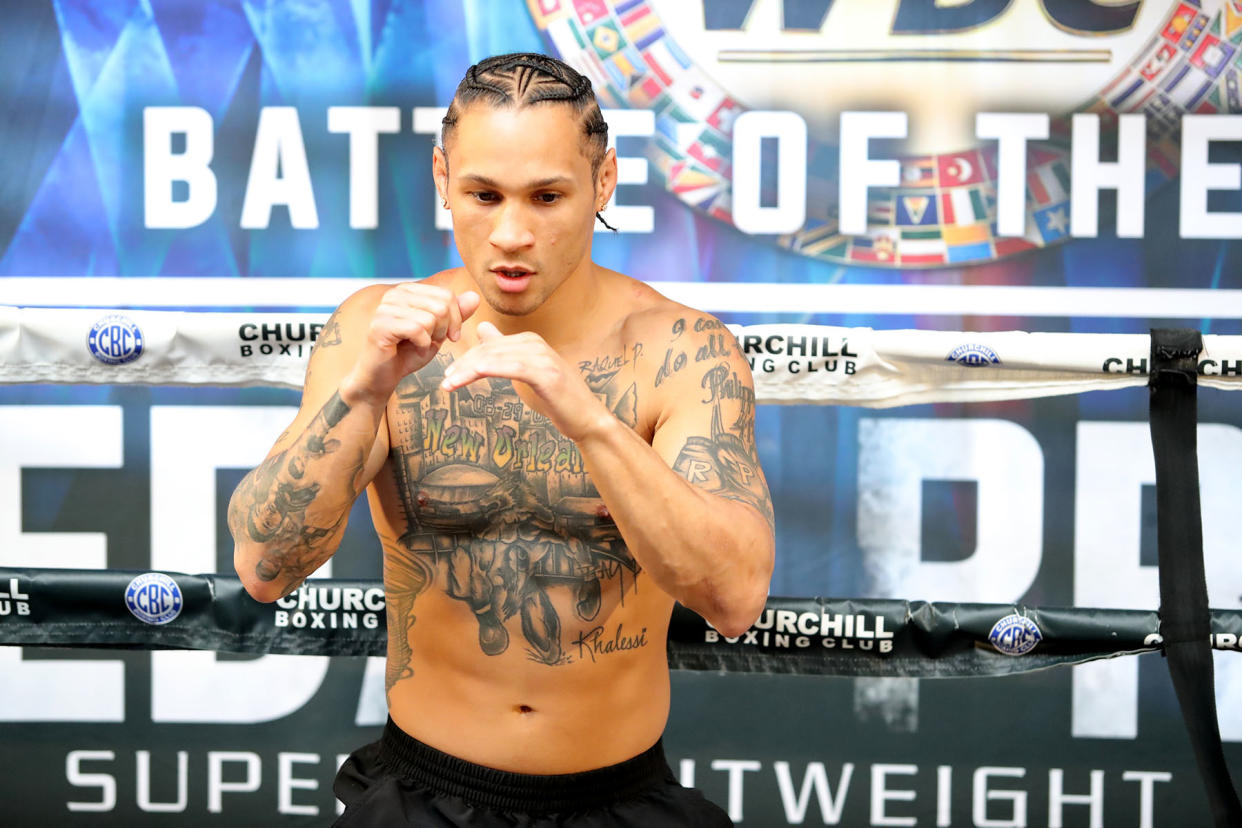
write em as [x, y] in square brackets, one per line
[480, 457]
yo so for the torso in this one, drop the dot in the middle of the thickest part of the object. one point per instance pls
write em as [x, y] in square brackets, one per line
[522, 633]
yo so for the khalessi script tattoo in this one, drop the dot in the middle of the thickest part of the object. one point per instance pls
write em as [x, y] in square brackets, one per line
[595, 643]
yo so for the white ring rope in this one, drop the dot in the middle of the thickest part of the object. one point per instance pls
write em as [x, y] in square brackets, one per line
[791, 363]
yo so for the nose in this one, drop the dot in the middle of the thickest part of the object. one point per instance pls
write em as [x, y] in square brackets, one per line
[512, 229]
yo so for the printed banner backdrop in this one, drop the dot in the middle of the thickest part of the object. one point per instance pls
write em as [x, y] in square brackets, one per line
[1085, 148]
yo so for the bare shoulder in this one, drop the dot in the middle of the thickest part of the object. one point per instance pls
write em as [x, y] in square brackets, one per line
[678, 339]
[654, 318]
[690, 363]
[353, 314]
[703, 399]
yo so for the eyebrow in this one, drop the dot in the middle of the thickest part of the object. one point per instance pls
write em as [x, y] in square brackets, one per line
[556, 180]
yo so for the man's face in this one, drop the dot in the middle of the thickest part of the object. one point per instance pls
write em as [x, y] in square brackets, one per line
[523, 200]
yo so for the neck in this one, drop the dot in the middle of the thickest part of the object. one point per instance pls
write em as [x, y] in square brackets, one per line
[563, 318]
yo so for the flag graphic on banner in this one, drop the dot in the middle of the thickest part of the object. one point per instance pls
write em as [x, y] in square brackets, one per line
[1048, 183]
[968, 243]
[916, 210]
[880, 208]
[545, 11]
[627, 68]
[918, 172]
[962, 205]
[723, 116]
[877, 246]
[640, 25]
[1053, 222]
[1190, 63]
[923, 247]
[1212, 55]
[710, 151]
[819, 239]
[606, 38]
[1233, 19]
[567, 39]
[591, 11]
[1161, 60]
[960, 168]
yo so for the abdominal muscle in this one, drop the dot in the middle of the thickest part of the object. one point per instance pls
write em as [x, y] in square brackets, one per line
[606, 702]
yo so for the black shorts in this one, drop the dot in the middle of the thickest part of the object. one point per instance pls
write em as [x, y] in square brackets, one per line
[401, 781]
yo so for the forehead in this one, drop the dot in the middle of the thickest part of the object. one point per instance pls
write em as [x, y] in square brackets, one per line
[525, 142]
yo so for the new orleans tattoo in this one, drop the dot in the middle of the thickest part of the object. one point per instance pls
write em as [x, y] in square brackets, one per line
[499, 511]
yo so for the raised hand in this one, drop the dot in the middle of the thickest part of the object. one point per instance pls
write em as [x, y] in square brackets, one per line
[406, 331]
[556, 389]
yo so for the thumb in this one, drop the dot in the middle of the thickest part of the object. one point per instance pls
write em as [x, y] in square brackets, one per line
[467, 303]
[488, 331]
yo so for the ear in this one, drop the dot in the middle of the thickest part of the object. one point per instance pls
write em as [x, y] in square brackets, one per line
[606, 178]
[439, 171]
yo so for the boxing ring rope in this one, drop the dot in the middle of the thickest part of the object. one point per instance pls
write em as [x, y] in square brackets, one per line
[815, 364]
[790, 364]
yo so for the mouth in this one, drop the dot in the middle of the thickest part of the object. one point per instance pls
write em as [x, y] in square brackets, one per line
[512, 279]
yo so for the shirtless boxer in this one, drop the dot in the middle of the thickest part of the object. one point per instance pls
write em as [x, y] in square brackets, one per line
[553, 453]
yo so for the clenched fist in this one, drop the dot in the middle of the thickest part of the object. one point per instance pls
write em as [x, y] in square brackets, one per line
[408, 327]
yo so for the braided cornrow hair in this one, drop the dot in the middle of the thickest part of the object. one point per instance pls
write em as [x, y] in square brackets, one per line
[526, 78]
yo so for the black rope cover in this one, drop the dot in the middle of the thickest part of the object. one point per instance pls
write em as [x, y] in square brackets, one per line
[804, 636]
[1185, 621]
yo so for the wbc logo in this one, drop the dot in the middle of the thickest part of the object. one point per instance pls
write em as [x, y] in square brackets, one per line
[701, 64]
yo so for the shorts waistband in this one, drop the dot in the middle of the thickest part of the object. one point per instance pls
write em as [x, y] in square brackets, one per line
[428, 767]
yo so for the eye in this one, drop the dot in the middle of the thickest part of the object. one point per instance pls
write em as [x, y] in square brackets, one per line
[548, 198]
[485, 196]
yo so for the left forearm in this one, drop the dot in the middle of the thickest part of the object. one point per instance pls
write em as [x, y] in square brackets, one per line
[710, 552]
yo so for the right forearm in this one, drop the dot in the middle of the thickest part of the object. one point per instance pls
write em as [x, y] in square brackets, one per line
[288, 515]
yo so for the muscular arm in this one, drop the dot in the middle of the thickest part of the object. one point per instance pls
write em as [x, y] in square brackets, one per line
[693, 506]
[288, 515]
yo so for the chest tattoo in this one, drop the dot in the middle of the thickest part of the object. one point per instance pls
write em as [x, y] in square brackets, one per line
[499, 511]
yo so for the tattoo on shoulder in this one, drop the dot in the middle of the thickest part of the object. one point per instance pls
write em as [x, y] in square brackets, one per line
[674, 356]
[711, 341]
[726, 462]
[331, 333]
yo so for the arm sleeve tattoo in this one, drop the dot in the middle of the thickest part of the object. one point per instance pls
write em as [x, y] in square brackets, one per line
[271, 504]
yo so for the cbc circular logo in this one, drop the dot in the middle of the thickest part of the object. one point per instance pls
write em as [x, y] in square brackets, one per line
[153, 598]
[115, 340]
[698, 65]
[1015, 635]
